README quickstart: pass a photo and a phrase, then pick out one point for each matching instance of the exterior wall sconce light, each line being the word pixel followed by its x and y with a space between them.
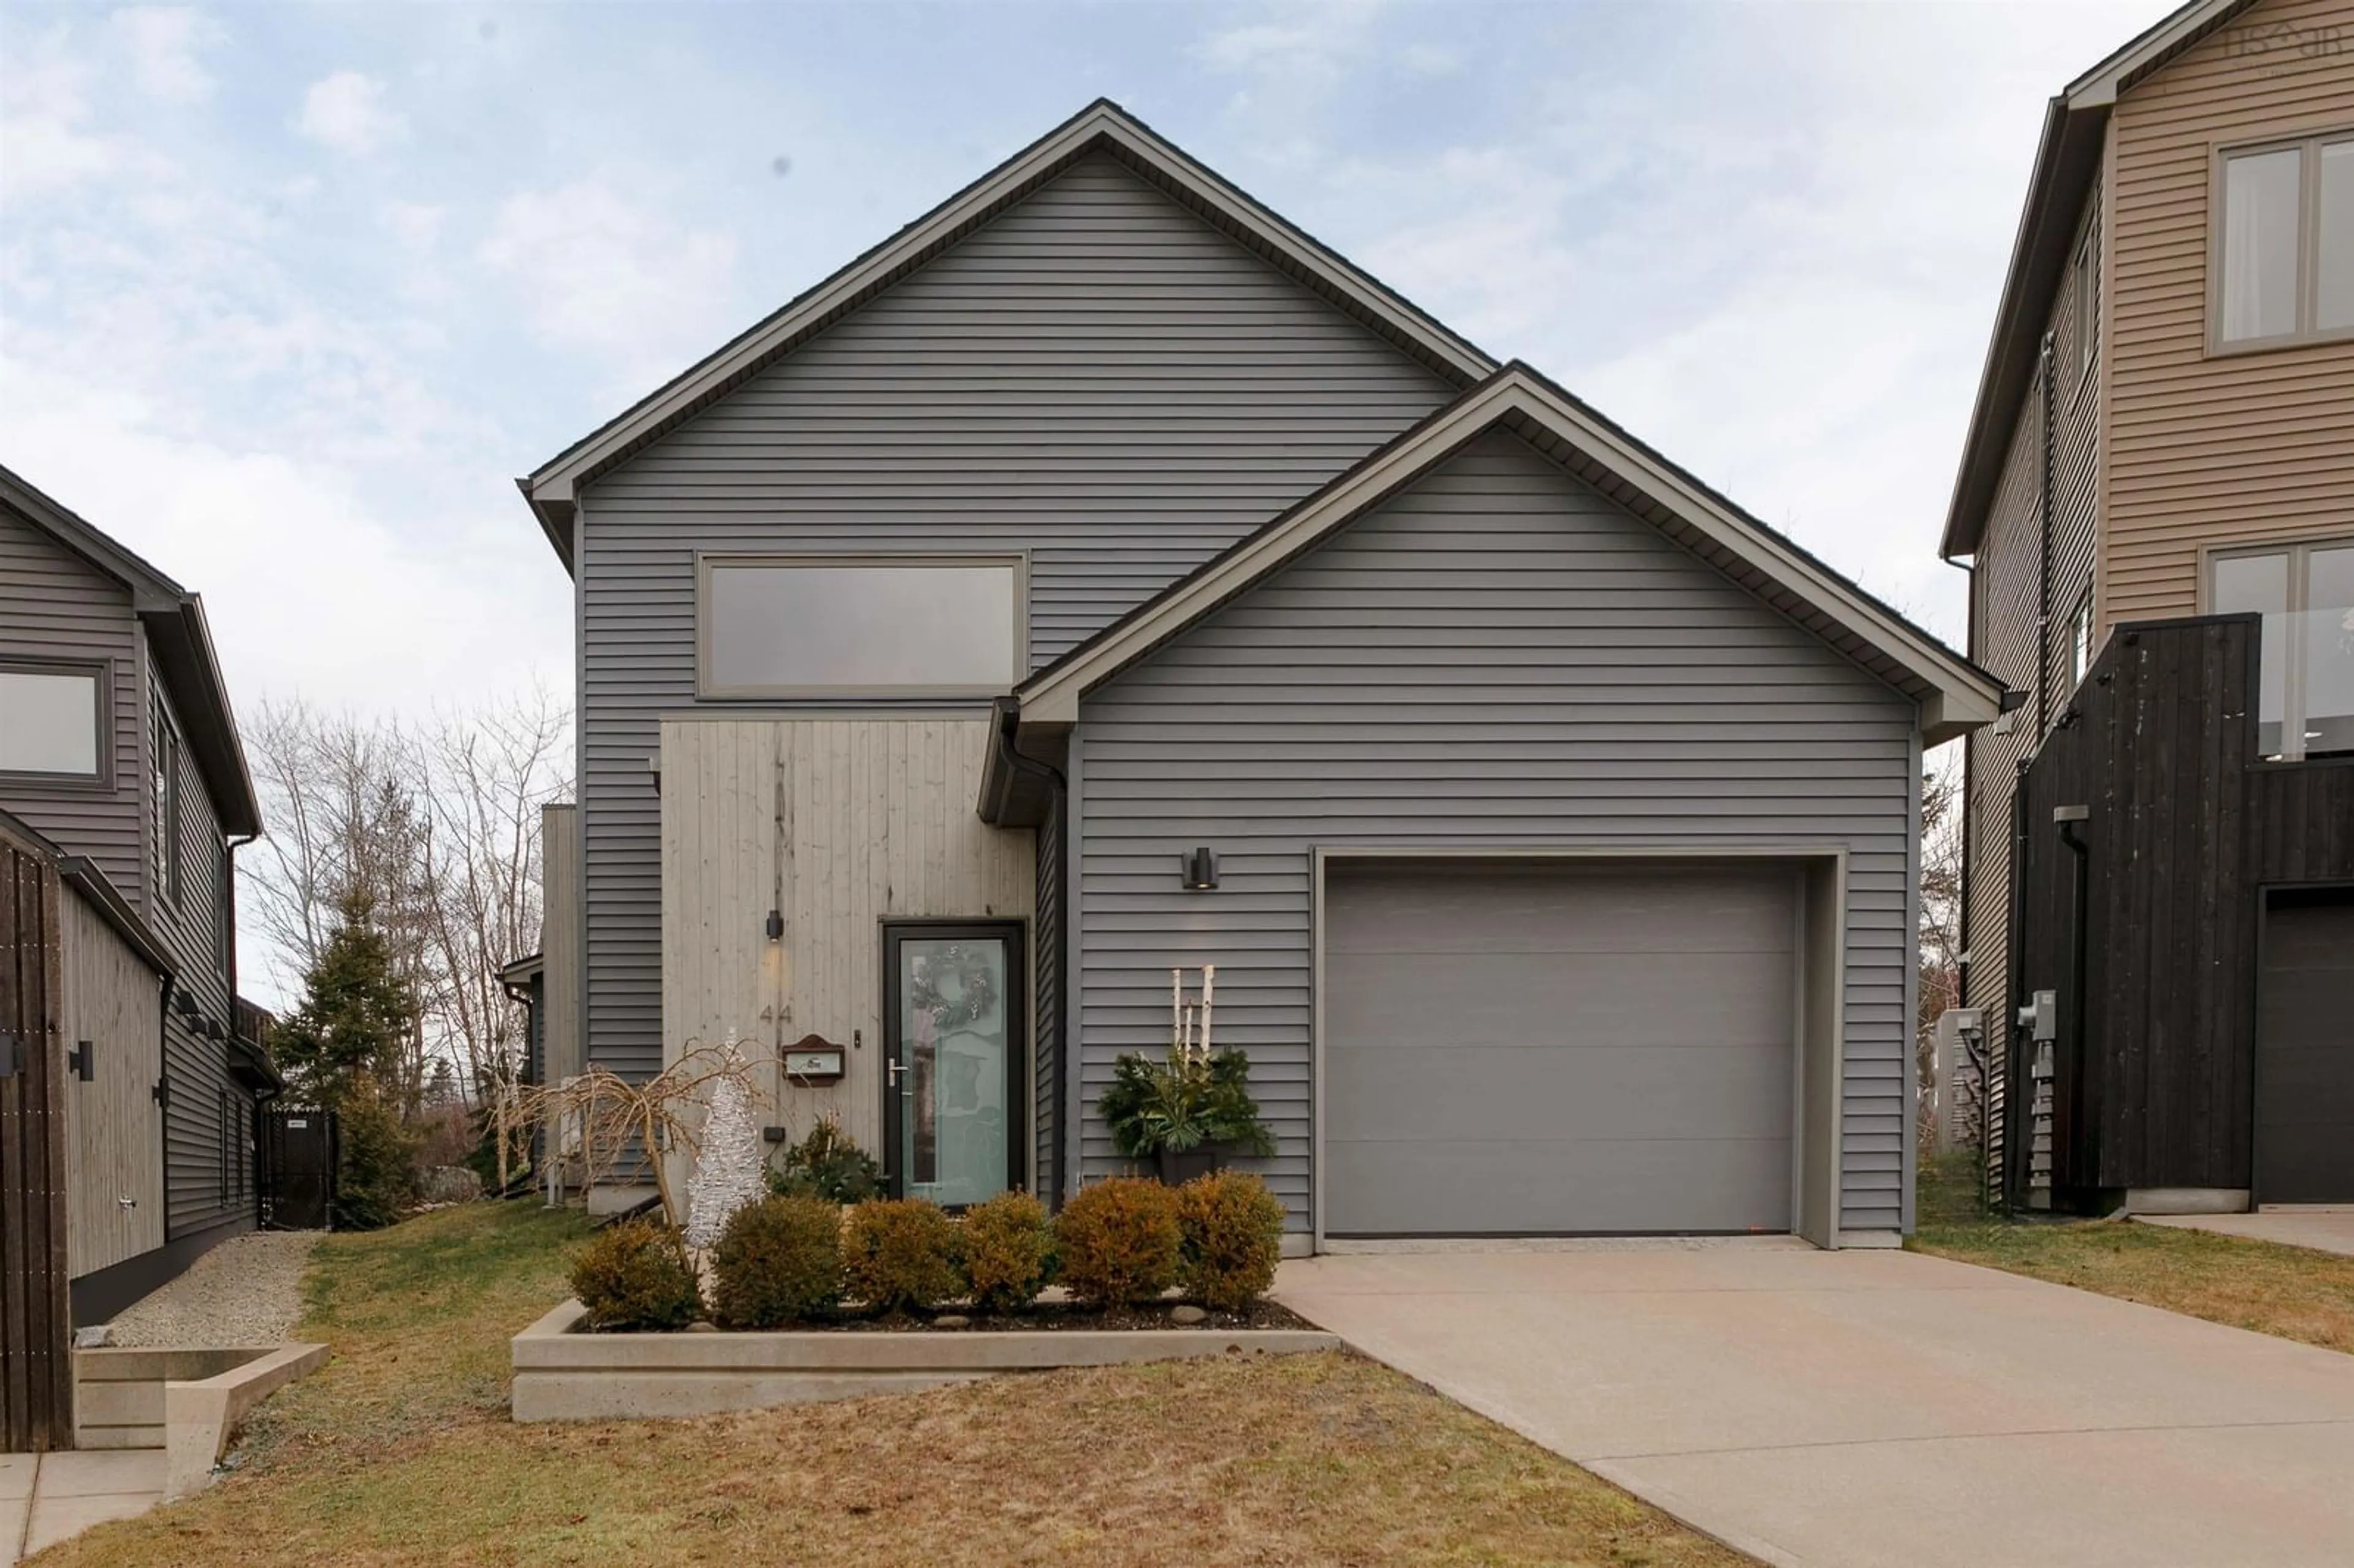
pixel 776 925
pixel 1200 870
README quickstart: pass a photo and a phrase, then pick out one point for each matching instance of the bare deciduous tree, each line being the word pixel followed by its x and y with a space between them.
pixel 438 825
pixel 1941 914
pixel 481 778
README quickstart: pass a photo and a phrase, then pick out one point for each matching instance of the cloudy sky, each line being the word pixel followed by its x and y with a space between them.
pixel 290 294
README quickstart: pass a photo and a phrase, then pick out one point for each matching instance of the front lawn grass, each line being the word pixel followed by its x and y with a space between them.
pixel 400 1452
pixel 2295 1292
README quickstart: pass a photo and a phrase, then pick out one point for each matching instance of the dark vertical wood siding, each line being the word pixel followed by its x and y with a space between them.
pixel 1097 376
pixel 2187 830
pixel 1497 656
pixel 36 1336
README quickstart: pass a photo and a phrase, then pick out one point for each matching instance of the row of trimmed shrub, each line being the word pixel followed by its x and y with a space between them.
pixel 1122 1241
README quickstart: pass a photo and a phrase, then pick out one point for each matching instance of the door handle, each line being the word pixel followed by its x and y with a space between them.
pixel 895 1069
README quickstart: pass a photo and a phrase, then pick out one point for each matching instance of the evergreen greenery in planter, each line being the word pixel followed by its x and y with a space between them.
pixel 1195 1103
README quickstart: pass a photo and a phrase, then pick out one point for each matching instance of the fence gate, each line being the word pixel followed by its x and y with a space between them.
pixel 299 1151
pixel 36 1328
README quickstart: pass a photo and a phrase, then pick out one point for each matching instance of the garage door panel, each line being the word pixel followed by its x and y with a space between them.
pixel 1476 1187
pixel 2304 1052
pixel 1443 909
pixel 1601 1091
pixel 1443 999
pixel 1563 1047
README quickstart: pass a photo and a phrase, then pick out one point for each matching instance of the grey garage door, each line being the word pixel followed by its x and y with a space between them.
pixel 1557 1048
pixel 2304 1051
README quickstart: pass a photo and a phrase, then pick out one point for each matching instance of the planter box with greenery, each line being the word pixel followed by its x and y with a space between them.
pixel 811 1301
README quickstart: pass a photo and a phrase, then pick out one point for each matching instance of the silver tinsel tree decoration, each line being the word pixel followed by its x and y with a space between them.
pixel 731 1167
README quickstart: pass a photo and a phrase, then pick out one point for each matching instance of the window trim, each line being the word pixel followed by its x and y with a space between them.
pixel 101 674
pixel 2308 144
pixel 2296 547
pixel 706 688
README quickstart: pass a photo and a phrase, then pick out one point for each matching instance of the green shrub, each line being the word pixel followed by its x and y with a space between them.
pixel 375 1162
pixel 1234 1236
pixel 1119 1242
pixel 899 1253
pixel 827 1164
pixel 636 1276
pixel 1008 1252
pixel 778 1260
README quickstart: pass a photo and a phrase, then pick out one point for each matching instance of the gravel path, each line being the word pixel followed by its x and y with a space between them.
pixel 246 1291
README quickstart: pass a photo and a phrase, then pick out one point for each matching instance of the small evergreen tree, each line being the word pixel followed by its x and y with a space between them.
pixel 339 1046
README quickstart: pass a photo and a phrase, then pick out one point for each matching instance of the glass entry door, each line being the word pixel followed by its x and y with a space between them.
pixel 953 1062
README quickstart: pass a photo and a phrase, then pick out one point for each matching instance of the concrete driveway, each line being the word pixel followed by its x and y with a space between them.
pixel 1876 1408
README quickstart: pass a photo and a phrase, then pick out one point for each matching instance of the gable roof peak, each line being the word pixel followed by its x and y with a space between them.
pixel 1954 694
pixel 553 488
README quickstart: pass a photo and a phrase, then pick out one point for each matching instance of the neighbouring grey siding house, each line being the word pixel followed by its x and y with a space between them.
pixel 1565 816
pixel 145 802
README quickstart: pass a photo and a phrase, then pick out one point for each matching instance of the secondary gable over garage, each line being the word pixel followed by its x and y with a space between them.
pixel 1486 728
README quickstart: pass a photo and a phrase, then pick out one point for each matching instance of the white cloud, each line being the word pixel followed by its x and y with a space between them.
pixel 164 43
pixel 45 122
pixel 598 269
pixel 347 113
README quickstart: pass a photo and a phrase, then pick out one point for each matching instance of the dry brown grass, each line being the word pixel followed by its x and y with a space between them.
pixel 1306 1459
pixel 2292 1291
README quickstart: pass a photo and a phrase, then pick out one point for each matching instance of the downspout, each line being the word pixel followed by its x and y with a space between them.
pixel 1009 719
pixel 1969 766
pixel 2043 575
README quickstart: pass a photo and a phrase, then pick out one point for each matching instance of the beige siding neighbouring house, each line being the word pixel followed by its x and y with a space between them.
pixel 2008 598
pixel 839 825
pixel 2213 449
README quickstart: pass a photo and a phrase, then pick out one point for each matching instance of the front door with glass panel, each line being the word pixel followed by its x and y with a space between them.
pixel 954 1055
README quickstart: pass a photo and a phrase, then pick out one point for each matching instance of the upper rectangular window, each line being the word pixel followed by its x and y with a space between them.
pixel 165 791
pixel 787 625
pixel 50 722
pixel 2284 243
pixel 2304 679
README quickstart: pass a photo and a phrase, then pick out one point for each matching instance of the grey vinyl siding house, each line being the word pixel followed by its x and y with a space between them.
pixel 157 822
pixel 1301 577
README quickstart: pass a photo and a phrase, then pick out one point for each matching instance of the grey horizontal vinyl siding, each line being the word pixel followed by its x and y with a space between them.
pixel 56 605
pixel 196 1196
pixel 1498 656
pixel 1096 377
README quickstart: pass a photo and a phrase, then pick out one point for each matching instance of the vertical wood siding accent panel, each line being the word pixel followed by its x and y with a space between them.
pixel 114 1130
pixel 1497 657
pixel 839 824
pixel 2235 448
pixel 56 605
pixel 1097 376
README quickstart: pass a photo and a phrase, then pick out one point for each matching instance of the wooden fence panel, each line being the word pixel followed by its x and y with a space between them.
pixel 36 1332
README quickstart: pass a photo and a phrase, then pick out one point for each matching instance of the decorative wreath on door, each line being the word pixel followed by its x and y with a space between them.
pixel 956 986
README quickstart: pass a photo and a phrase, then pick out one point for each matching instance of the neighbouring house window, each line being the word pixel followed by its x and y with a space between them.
pixel 2080 640
pixel 2305 699
pixel 49 720
pixel 166 791
pixel 802 626
pixel 2285 252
